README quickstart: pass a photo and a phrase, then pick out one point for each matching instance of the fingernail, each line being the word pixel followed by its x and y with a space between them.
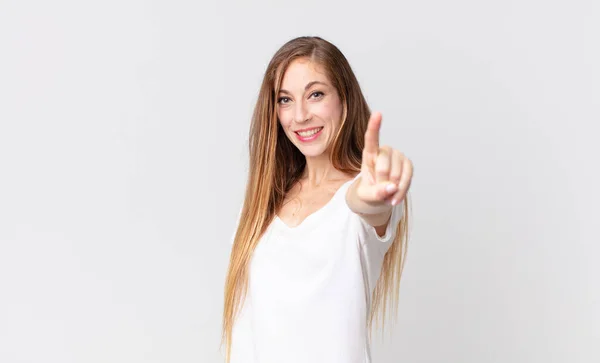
pixel 395 201
pixel 390 188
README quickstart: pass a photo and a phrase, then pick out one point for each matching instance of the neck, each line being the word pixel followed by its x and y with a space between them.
pixel 319 169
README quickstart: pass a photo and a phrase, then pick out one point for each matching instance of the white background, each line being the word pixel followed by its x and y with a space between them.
pixel 123 160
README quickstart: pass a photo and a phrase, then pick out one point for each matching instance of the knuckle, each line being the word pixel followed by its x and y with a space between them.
pixel 395 176
pixel 382 168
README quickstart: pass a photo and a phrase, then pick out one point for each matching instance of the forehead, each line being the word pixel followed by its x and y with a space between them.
pixel 302 71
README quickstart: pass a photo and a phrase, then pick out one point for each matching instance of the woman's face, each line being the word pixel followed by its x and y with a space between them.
pixel 309 107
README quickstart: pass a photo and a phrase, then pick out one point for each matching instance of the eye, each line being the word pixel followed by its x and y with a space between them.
pixel 283 100
pixel 316 94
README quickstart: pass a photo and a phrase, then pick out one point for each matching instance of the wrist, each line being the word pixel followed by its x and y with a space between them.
pixel 372 212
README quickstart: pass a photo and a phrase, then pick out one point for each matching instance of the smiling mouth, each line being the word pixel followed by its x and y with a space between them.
pixel 309 133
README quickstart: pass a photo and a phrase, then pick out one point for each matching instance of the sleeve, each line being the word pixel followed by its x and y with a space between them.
pixel 373 247
pixel 369 237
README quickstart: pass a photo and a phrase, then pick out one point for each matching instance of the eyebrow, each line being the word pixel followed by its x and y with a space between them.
pixel 309 85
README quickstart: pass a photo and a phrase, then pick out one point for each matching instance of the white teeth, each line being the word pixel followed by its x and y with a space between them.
pixel 309 133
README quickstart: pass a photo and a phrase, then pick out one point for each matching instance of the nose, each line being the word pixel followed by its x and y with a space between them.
pixel 301 113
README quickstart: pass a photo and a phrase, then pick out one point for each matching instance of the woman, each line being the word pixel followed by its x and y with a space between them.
pixel 321 237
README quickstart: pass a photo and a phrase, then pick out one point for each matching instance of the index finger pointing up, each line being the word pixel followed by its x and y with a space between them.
pixel 372 133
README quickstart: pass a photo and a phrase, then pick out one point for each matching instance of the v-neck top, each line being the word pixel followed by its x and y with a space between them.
pixel 312 219
pixel 310 287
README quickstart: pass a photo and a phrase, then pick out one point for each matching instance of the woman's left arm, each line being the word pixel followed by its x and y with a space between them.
pixel 385 178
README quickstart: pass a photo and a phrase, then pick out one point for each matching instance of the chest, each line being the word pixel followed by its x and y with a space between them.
pixel 294 262
pixel 302 202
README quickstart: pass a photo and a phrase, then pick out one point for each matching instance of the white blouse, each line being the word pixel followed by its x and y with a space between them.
pixel 310 287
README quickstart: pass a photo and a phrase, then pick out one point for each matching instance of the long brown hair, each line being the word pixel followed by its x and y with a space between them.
pixel 276 165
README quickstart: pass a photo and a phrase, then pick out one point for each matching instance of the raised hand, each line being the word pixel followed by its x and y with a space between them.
pixel 386 173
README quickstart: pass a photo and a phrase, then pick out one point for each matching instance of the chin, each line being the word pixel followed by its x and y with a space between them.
pixel 312 151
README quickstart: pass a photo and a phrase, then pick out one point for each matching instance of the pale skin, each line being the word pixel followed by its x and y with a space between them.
pixel 308 100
